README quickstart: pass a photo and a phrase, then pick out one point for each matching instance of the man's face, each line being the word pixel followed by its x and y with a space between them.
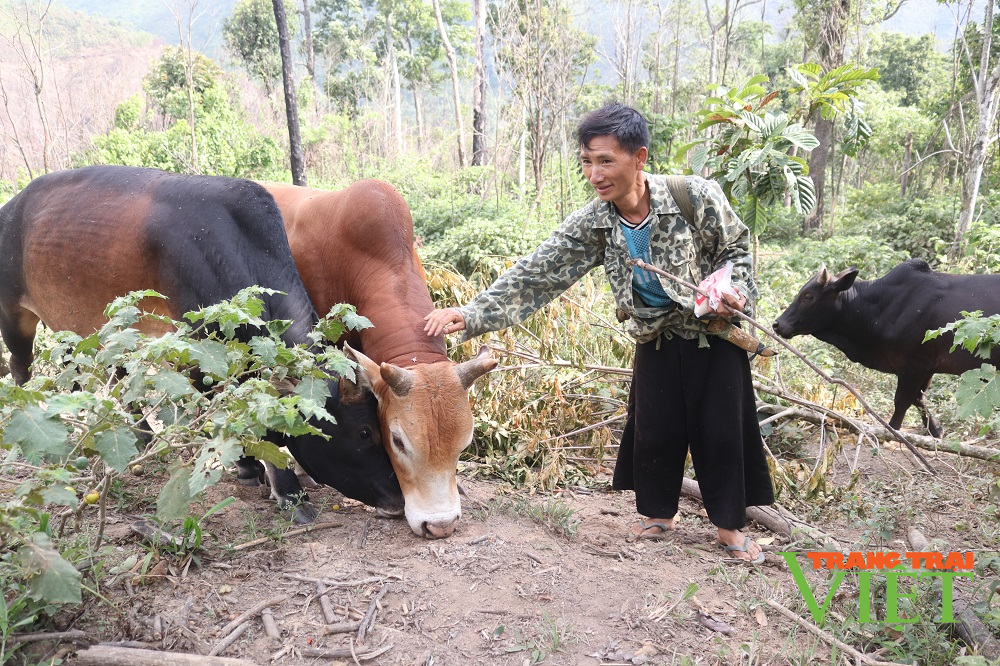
pixel 611 169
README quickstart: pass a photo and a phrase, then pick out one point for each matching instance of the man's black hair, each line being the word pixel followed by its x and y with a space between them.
pixel 615 119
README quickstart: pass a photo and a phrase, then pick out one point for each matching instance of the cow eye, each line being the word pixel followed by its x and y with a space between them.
pixel 365 432
pixel 808 298
pixel 397 441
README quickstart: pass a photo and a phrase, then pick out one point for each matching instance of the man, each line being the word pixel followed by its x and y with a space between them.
pixel 690 389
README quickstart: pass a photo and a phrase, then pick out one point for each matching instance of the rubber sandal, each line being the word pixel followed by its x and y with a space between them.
pixel 743 549
pixel 663 528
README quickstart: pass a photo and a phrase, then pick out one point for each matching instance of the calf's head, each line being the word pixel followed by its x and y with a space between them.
pixel 426 423
pixel 352 459
pixel 816 304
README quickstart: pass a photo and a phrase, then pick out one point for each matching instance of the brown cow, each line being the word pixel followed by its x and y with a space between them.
pixel 356 246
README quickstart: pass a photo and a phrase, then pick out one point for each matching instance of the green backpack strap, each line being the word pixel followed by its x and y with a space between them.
pixel 677 186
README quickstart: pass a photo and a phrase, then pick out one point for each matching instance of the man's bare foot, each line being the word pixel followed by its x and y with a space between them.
pixel 740 546
pixel 652 528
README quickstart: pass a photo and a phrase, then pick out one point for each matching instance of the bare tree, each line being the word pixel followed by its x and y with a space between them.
pixel 449 52
pixel 479 85
pixel 27 42
pixel 986 86
pixel 628 40
pixel 308 40
pixel 185 15
pixel 291 104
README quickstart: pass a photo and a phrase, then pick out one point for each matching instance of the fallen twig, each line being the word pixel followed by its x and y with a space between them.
pixel 100 655
pixel 324 603
pixel 369 621
pixel 815 368
pixel 270 626
pixel 295 532
pixel 72 634
pixel 231 638
pixel 336 583
pixel 274 601
pixel 341 653
pixel 342 628
pixel 832 640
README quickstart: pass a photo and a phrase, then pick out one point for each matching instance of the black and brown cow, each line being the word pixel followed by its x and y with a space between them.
pixel 73 241
pixel 356 246
pixel 881 324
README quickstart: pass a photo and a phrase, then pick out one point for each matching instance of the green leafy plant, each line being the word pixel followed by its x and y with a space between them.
pixel 93 400
pixel 978 392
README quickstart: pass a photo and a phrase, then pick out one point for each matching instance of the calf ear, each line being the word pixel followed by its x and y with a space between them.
pixel 844 280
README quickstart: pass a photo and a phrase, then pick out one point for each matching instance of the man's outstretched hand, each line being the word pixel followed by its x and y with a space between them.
pixel 444 320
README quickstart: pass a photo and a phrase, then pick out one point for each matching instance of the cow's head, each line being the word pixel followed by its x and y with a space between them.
pixel 426 423
pixel 352 459
pixel 816 304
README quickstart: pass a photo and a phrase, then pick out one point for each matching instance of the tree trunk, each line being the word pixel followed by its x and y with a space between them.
pixel 418 111
pixel 291 103
pixel 397 93
pixel 907 155
pixel 449 52
pixel 833 31
pixel 479 86
pixel 987 87
pixel 677 59
pixel 307 28
pixel 817 171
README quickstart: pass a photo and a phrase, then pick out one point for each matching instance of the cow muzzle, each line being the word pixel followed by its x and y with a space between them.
pixel 439 529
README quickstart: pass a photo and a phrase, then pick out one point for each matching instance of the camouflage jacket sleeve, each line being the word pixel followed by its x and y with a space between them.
pixel 727 238
pixel 563 258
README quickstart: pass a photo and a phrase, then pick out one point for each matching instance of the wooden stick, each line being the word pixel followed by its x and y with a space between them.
pixel 221 646
pixel 369 621
pixel 341 653
pixel 270 626
pixel 336 583
pixel 342 628
pixel 967 624
pixel 815 368
pixel 100 655
pixel 250 613
pixel 72 634
pixel 324 603
pixel 295 532
pixel 832 640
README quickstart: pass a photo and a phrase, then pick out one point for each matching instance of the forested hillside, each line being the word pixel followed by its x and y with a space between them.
pixel 844 133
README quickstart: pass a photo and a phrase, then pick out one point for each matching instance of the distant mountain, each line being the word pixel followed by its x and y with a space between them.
pixel 159 18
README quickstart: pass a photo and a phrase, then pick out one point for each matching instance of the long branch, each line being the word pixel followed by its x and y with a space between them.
pixel 815 368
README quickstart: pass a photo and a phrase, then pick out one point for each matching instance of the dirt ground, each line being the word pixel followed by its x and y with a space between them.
pixel 505 589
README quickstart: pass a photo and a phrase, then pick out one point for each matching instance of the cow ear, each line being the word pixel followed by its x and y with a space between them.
pixel 844 280
pixel 473 369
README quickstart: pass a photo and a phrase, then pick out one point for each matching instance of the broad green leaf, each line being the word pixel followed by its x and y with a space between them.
pixel 116 446
pixel 314 389
pixel 174 500
pixel 211 356
pixel 265 348
pixel 215 456
pixel 39 436
pixel 173 383
pixel 53 579
pixel 267 452
pixel 978 392
pixel 59 493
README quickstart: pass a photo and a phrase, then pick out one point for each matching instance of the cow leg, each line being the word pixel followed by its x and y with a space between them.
pixel 249 471
pixel 925 415
pixel 286 490
pixel 18 330
pixel 910 391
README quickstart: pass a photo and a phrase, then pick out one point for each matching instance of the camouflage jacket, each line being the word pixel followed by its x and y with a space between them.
pixel 592 236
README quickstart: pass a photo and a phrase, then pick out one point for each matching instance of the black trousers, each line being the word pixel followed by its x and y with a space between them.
pixel 685 397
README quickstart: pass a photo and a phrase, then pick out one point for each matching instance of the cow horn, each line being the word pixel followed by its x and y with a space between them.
pixel 823 277
pixel 365 370
pixel 473 369
pixel 400 380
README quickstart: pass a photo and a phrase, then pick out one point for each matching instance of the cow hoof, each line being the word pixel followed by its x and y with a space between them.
pixel 304 513
pixel 252 482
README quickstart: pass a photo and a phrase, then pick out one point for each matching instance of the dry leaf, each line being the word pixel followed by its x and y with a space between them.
pixel 760 616
pixel 715 624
